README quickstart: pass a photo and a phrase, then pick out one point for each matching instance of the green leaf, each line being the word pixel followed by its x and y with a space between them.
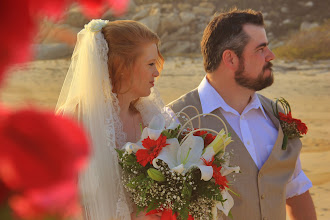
pixel 154 205
pixel 166 133
pixel 139 209
pixel 186 190
pixel 120 153
pixel 171 133
pixel 130 160
pixel 184 212
pixel 230 215
pixel 137 181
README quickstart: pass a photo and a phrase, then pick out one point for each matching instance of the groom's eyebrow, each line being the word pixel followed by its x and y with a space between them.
pixel 263 45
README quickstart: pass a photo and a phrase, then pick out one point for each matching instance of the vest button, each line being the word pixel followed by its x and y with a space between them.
pixel 260 175
pixel 262 196
pixel 265 218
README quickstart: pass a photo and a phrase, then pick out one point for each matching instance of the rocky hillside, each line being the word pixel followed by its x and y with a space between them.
pixel 180 23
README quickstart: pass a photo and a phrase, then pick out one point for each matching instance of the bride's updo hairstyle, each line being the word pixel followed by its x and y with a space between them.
pixel 125 39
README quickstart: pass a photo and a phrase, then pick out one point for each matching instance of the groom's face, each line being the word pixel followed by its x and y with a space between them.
pixel 255 69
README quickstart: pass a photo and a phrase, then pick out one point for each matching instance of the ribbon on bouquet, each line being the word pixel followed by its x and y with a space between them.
pixel 167 214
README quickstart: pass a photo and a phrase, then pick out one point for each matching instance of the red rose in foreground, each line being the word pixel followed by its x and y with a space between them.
pixel 151 151
pixel 41 155
pixel 59 201
pixel 4 192
pixel 39 148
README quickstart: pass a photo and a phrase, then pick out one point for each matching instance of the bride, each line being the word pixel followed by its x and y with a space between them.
pixel 109 89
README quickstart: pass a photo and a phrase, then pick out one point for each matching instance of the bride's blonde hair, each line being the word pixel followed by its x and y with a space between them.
pixel 125 39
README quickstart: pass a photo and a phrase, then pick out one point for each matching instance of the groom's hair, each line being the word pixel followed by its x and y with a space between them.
pixel 225 31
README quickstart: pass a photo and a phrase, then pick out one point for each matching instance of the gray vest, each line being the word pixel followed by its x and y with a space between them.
pixel 262 193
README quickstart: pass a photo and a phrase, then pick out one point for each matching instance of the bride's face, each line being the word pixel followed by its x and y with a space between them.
pixel 144 71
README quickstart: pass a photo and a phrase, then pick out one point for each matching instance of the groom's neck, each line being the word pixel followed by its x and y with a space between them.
pixel 233 94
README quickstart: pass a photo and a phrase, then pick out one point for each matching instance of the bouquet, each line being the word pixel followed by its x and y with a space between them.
pixel 180 172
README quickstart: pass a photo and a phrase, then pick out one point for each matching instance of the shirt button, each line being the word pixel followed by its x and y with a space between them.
pixel 248 142
pixel 262 196
pixel 242 117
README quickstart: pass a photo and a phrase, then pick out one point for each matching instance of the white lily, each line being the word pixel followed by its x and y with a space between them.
pixel 182 158
pixel 226 205
pixel 153 131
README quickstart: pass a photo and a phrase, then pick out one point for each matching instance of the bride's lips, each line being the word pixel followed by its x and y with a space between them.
pixel 152 83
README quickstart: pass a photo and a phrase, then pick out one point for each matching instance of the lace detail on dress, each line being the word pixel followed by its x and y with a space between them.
pixel 116 137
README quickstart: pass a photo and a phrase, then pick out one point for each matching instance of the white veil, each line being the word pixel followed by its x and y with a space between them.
pixel 87 95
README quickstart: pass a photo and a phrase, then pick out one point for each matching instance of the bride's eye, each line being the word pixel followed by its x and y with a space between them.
pixel 151 64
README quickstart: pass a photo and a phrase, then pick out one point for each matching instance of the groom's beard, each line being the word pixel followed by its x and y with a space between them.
pixel 255 84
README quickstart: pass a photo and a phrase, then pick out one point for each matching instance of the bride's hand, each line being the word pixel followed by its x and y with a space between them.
pixel 142 216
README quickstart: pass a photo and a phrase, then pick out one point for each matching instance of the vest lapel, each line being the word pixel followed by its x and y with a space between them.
pixel 269 111
pixel 278 143
pixel 236 145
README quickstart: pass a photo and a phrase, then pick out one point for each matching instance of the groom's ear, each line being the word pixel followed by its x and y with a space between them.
pixel 230 59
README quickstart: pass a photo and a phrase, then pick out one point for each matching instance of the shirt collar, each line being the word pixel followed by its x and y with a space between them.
pixel 211 100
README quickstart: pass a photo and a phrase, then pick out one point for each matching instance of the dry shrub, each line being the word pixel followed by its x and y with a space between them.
pixel 312 44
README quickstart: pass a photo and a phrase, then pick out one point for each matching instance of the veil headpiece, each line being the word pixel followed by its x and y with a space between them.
pixel 87 95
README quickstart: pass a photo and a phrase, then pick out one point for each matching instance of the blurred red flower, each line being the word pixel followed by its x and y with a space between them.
pixel 4 192
pixel 18 20
pixel 41 155
pixel 59 201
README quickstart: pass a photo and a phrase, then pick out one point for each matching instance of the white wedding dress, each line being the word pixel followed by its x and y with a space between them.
pixel 87 96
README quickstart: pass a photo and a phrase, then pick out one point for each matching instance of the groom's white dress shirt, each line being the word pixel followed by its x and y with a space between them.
pixel 256 131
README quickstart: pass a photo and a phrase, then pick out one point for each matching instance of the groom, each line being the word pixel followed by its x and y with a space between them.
pixel 237 64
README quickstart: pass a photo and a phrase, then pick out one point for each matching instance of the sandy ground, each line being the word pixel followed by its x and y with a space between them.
pixel 305 85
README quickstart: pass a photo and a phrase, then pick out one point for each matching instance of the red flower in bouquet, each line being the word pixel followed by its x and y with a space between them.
pixel 167 214
pixel 41 155
pixel 151 151
pixel 207 139
pixel 219 179
pixel 40 148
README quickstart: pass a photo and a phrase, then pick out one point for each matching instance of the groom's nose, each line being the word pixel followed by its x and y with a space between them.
pixel 270 56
